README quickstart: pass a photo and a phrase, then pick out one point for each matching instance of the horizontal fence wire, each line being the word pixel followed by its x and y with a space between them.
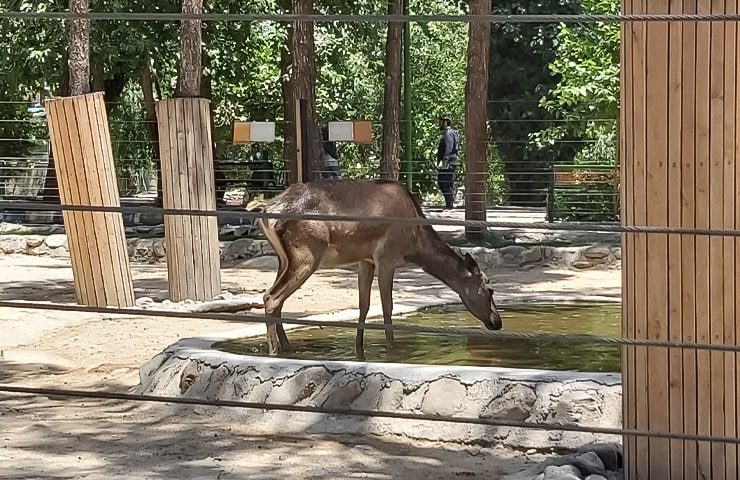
pixel 449 331
pixel 491 422
pixel 371 18
pixel 564 226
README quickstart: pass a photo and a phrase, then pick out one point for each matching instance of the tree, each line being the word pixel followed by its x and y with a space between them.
pixel 191 70
pixel 390 155
pixel 299 83
pixel 476 131
pixel 79 49
pixel 520 56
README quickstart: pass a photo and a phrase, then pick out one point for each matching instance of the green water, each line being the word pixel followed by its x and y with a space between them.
pixel 594 319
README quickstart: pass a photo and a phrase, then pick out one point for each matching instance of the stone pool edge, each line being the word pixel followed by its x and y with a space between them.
pixel 191 368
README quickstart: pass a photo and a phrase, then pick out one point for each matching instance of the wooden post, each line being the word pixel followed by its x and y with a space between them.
pixel 193 259
pixel 80 139
pixel 679 141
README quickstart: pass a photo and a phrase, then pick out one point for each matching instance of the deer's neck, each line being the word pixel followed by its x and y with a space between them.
pixel 441 262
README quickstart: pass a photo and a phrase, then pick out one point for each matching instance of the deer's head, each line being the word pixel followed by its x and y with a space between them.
pixel 478 296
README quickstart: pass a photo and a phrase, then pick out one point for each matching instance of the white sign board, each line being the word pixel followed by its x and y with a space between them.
pixel 341 131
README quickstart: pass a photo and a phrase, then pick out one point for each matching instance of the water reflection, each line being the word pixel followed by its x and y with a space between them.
pixel 594 319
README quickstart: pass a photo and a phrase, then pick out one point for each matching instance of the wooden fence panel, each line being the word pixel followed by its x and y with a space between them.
pixel 679 149
pixel 193 257
pixel 80 139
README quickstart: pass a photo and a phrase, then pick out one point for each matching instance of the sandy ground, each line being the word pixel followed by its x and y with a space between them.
pixel 43 437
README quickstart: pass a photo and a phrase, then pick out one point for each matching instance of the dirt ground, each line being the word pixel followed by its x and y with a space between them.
pixel 42 437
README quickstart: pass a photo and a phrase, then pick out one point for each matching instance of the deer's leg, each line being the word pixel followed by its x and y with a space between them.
pixel 301 264
pixel 385 285
pixel 364 284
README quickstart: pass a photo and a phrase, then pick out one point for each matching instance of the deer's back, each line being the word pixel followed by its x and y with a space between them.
pixel 349 242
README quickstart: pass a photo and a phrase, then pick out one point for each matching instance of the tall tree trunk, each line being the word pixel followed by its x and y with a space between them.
pixel 147 87
pixel 189 78
pixel 79 49
pixel 289 125
pixel 476 132
pixel 300 83
pixel 390 157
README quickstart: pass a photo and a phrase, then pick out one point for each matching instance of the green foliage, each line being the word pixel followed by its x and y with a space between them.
pixel 585 103
pixel 520 56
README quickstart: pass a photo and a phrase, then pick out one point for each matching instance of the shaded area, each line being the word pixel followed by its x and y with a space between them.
pixel 338 344
pixel 56 439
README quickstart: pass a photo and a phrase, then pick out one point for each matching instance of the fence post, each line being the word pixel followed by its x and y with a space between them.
pixel 83 160
pixel 193 256
pixel 679 97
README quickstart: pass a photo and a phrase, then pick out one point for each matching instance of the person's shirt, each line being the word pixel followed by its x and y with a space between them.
pixel 448 143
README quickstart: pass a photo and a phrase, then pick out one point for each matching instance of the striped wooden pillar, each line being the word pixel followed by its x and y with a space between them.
pixel 193 257
pixel 679 144
pixel 80 141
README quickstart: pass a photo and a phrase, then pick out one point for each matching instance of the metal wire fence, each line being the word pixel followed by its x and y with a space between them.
pixel 29 182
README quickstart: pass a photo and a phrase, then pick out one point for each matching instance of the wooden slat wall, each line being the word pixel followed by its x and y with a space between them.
pixel 679 145
pixel 193 259
pixel 80 140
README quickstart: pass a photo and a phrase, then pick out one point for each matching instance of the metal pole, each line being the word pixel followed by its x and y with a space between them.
pixel 409 149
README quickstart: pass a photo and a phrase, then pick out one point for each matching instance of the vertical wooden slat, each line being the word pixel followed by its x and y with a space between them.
pixel 716 254
pixel 730 91
pixel 84 164
pixel 627 212
pixel 675 330
pixel 703 160
pixel 688 244
pixel 193 256
pixel 657 214
pixel 642 445
pixel 736 240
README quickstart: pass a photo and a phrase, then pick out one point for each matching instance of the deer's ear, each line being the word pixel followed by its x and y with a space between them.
pixel 471 264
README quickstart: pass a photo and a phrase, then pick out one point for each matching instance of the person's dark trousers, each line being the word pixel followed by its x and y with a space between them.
pixel 446 182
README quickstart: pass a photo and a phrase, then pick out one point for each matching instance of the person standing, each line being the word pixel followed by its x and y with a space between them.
pixel 447 160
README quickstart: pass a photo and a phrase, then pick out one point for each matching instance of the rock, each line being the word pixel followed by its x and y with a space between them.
pixel 595 477
pixel 609 453
pixel 533 255
pixel 566 472
pixel 516 404
pixel 13 245
pixel 615 475
pixel 617 252
pixel 239 248
pixel 512 252
pixel 56 241
pixel 34 241
pixel 159 249
pixel 590 464
pixel 444 397
pixel 265 262
pixel 597 252
pixel 582 264
pixel 157 231
pixel 144 301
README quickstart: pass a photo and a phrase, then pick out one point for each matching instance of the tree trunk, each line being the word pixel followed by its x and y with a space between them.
pixel 390 157
pixel 476 132
pixel 79 49
pixel 189 79
pixel 289 125
pixel 147 87
pixel 298 70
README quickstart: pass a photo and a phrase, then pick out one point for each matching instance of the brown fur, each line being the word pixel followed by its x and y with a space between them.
pixel 303 246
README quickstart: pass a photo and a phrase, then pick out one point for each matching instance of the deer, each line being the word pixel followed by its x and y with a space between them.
pixel 304 246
